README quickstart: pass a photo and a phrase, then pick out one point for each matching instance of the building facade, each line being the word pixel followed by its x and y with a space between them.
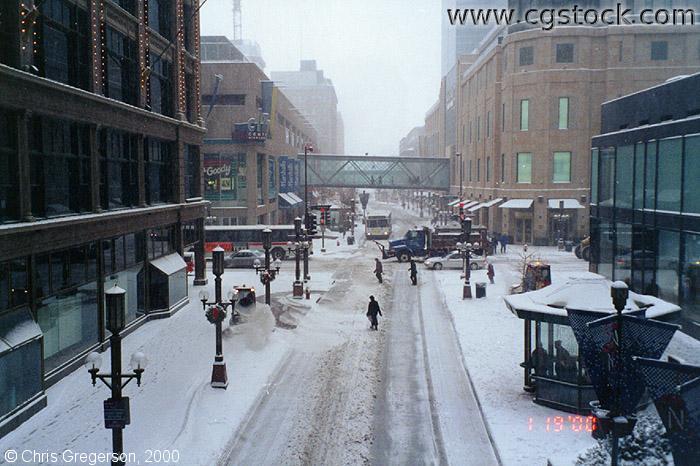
pixel 409 146
pixel 254 135
pixel 529 107
pixel 100 133
pixel 645 204
pixel 314 95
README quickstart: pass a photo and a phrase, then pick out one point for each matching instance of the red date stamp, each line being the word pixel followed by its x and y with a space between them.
pixel 562 423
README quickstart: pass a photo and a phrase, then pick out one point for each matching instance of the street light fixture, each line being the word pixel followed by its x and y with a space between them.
pixel 267 273
pixel 299 247
pixel 215 312
pixel 466 249
pixel 116 408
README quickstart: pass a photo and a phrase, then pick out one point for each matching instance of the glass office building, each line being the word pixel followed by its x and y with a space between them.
pixel 645 201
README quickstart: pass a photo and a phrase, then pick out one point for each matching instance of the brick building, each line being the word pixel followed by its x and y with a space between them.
pixel 529 105
pixel 100 133
pixel 243 175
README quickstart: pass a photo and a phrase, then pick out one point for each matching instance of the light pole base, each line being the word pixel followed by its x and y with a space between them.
pixel 467 291
pixel 298 290
pixel 200 281
pixel 219 378
pixel 323 249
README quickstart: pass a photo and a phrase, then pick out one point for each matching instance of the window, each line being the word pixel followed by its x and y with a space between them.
pixel 8 35
pixel 271 180
pixel 565 53
pixel 62 46
pixel 561 167
pixel 470 170
pixel 121 73
pixel 478 128
pixel 160 98
pixel 192 172
pixel 503 168
pixel 527 56
pixel 691 276
pixel 9 186
pixel 14 284
pixel 669 175
pixel 119 179
pixel 478 169
pixel 691 173
pixel 650 177
pixel 159 16
pixel 606 177
pixel 488 124
pixel 488 168
pixel 158 156
pixel 128 5
pixel 524 161
pixel 260 177
pixel 594 176
pixel 668 252
pixel 659 50
pixel 60 167
pixel 503 117
pixel 524 115
pixel 624 174
pixel 224 99
pixel 639 177
pixel 563 113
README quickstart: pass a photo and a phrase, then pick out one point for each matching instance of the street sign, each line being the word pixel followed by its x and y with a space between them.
pixel 117 415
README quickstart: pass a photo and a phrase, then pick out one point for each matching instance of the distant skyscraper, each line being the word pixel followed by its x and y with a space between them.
pixel 459 39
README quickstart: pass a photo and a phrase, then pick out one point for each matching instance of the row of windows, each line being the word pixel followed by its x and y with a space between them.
pixel 565 53
pixel 60 168
pixel 561 168
pixel 653 175
pixel 562 119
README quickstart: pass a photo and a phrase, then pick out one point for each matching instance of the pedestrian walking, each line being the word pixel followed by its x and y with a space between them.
pixel 490 272
pixel 378 269
pixel 504 243
pixel 414 273
pixel 494 243
pixel 372 312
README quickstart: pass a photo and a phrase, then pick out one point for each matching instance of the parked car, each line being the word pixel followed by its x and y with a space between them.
pixel 453 260
pixel 243 259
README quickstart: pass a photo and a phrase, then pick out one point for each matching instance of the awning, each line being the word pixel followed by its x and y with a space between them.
pixel 296 198
pixel 517 204
pixel 568 204
pixel 169 264
pixel 454 203
pixel 287 200
pixel 485 204
pixel 17 328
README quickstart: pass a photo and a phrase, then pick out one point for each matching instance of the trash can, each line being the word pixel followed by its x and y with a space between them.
pixel 480 290
pixel 569 246
pixel 351 240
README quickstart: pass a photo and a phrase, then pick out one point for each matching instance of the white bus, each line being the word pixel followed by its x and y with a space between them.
pixel 233 238
pixel 378 225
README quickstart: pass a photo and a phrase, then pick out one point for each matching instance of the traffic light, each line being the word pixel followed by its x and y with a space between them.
pixel 325 216
pixel 311 226
pixel 467 227
pixel 364 199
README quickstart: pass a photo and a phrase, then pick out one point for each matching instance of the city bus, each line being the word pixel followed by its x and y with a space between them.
pixel 378 225
pixel 235 237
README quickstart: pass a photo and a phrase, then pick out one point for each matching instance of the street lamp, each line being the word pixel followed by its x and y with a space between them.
pixel 116 408
pixel 215 312
pixel 619 292
pixel 267 274
pixel 466 248
pixel 299 247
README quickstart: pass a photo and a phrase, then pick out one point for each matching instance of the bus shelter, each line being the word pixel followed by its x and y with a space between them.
pixel 553 371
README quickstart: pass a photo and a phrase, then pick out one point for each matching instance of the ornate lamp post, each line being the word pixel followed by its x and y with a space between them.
pixel 267 274
pixel 299 247
pixel 465 249
pixel 116 408
pixel 216 313
pixel 619 294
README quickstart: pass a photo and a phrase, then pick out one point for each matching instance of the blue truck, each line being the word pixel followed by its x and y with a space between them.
pixel 421 243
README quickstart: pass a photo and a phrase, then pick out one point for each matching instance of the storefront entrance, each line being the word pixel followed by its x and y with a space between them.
pixel 523 227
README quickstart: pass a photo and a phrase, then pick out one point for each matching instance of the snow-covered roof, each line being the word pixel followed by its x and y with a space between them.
pixel 568 204
pixel 17 328
pixel 517 204
pixel 589 292
pixel 169 264
pixel 295 197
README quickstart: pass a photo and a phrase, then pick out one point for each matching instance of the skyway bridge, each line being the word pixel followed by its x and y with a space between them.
pixel 364 171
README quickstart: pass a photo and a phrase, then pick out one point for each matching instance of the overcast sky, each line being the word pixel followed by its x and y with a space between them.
pixel 382 55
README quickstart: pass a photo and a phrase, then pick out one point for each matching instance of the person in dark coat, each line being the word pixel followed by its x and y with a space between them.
pixel 372 312
pixel 414 273
pixel 490 272
pixel 504 243
pixel 378 269
pixel 540 360
pixel 494 243
pixel 565 364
